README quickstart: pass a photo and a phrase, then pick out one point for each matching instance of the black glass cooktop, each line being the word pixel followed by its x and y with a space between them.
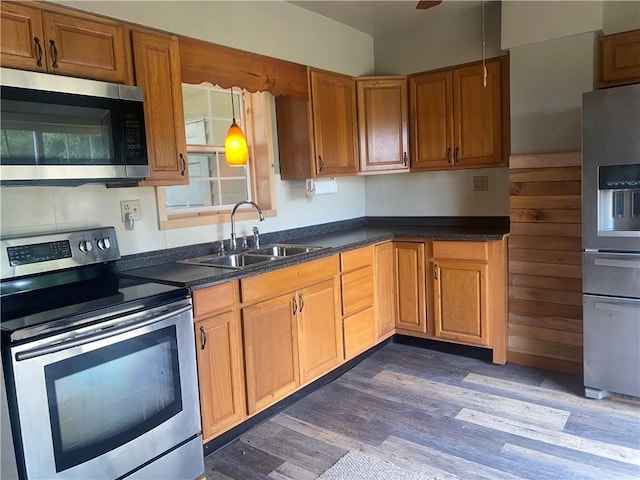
pixel 33 306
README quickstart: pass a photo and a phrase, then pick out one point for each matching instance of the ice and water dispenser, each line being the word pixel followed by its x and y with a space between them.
pixel 619 198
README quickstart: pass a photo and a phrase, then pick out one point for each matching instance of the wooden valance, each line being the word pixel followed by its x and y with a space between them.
pixel 227 67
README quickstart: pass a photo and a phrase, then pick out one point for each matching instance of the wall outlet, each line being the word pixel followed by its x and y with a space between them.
pixel 132 207
pixel 481 183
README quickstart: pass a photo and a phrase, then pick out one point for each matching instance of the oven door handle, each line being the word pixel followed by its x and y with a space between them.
pixel 102 333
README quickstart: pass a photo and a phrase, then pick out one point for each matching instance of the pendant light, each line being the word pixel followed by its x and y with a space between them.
pixel 235 145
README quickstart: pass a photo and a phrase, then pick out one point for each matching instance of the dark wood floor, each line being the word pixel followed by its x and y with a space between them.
pixel 444 416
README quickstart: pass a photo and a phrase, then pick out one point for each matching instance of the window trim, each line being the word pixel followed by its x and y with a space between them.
pixel 258 110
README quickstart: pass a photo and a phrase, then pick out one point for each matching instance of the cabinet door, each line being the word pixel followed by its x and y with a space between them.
pixel 22 38
pixel 157 66
pixel 333 106
pixel 82 47
pixel 460 297
pixel 478 135
pixel 319 336
pixel 270 351
pixel 220 373
pixel 410 286
pixel 385 288
pixel 383 118
pixel 431 98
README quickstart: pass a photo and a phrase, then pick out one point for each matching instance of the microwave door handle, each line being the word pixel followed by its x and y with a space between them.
pixel 100 334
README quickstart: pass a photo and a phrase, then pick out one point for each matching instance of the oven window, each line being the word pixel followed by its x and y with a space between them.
pixel 105 398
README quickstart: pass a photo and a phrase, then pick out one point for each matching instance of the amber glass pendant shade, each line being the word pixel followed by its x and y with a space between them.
pixel 235 146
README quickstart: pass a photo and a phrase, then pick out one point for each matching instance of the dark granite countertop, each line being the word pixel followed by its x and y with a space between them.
pixel 162 266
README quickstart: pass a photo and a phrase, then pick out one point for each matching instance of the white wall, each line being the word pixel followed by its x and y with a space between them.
pixel 273 28
pixel 620 16
pixel 439 42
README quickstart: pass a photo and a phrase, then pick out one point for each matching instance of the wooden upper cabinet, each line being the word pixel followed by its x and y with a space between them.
pixel 457 121
pixel 431 120
pixel 383 117
pixel 157 67
pixel 75 45
pixel 22 37
pixel 619 62
pixel 333 107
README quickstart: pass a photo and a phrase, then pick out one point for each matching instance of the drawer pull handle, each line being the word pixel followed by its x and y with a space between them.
pixel 405 159
pixel 457 155
pixel 449 155
pixel 38 51
pixel 295 304
pixel 203 338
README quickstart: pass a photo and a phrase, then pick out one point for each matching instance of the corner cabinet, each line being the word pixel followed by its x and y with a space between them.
pixel 219 357
pixel 157 68
pixel 383 118
pixel 456 121
pixel 317 138
pixel 54 40
pixel 384 273
pixel 410 288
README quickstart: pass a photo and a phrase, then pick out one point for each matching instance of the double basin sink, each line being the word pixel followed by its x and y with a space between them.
pixel 249 258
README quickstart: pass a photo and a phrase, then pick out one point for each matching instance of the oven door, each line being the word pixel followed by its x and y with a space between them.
pixel 107 402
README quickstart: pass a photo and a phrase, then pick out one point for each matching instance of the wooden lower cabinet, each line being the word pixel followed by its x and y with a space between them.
pixel 319 336
pixel 359 332
pixel 270 351
pixel 219 357
pixel 385 289
pixel 410 286
pixel 460 301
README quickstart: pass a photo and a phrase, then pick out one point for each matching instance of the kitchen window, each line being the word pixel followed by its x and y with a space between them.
pixel 214 187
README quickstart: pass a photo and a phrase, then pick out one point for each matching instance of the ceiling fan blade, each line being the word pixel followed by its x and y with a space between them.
pixel 427 4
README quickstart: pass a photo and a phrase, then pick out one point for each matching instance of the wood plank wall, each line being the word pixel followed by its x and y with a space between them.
pixel 545 270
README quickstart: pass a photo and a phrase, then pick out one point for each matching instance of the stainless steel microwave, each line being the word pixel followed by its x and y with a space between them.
pixel 60 130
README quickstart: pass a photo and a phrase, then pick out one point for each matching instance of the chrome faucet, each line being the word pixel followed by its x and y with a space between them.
pixel 256 238
pixel 232 243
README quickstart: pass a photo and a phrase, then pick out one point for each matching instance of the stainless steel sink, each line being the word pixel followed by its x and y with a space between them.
pixel 235 261
pixel 282 250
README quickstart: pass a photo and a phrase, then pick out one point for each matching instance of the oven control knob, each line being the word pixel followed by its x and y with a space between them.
pixel 104 243
pixel 85 246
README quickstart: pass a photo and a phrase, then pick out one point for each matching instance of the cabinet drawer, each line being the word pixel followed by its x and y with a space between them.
pixel 214 299
pixel 460 250
pixel 359 333
pixel 285 280
pixel 357 290
pixel 356 258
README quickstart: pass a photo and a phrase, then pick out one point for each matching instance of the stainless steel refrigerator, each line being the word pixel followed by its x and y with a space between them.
pixel 611 240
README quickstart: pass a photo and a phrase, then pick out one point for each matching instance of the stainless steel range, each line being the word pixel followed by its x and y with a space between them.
pixel 99 371
pixel 611 241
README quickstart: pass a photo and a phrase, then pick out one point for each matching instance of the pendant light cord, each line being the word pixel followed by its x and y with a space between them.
pixel 484 66
pixel 233 112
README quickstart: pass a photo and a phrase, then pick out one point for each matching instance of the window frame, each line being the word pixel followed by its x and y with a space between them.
pixel 260 133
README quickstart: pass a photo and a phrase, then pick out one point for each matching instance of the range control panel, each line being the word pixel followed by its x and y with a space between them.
pixel 37 253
